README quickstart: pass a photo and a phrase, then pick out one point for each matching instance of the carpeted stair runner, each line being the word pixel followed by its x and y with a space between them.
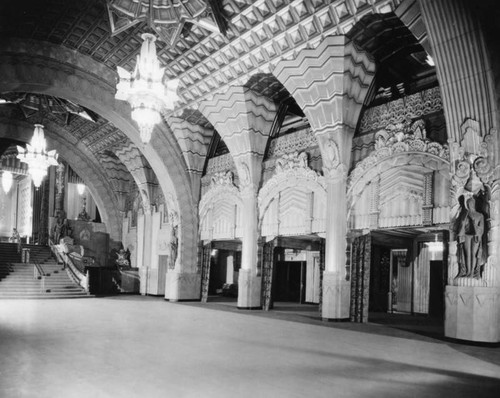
pixel 17 279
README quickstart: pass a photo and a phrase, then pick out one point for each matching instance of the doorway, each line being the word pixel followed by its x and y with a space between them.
pixel 292 274
pixel 407 275
pixel 290 281
pixel 222 264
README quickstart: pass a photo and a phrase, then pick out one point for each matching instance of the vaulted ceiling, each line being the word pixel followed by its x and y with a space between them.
pixel 259 33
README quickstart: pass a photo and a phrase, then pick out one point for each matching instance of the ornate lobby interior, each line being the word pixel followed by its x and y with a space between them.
pixel 249 198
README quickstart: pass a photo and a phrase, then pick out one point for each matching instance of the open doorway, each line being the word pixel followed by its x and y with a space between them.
pixel 225 262
pixel 294 272
pixel 407 276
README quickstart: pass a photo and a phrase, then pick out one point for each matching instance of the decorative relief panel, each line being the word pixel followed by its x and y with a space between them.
pixel 475 220
pixel 397 139
pixel 406 195
pixel 399 111
pixel 220 209
pixel 293 142
pixel 293 201
pixel 219 164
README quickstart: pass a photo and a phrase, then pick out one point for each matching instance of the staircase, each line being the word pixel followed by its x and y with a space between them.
pixel 17 279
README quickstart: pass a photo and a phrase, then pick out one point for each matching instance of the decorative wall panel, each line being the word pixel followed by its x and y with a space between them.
pixel 360 278
pixel 293 201
pixel 220 209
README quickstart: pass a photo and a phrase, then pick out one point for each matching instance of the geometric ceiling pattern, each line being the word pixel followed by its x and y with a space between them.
pixel 258 35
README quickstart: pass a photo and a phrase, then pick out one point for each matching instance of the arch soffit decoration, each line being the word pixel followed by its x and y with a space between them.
pixel 292 172
pixel 221 189
pixel 372 166
pixel 64 73
pixel 92 175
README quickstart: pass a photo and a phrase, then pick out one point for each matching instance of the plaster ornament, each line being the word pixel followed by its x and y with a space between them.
pixel 245 175
pixel 291 161
pixel 222 178
pixel 332 154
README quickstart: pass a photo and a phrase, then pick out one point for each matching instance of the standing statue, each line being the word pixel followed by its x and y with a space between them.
pixel 173 246
pixel 61 227
pixel 469 231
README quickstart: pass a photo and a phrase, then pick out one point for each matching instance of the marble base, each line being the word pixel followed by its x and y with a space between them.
pixel 182 286
pixel 336 297
pixel 143 276
pixel 249 290
pixel 472 313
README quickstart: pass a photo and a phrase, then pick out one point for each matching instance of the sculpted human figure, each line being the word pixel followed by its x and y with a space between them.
pixel 61 228
pixel 469 234
pixel 173 246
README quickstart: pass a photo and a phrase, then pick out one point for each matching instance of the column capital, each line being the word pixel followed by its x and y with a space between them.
pixel 336 174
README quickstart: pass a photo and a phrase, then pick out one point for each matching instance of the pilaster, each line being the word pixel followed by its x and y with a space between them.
pixel 249 289
pixel 182 285
pixel 330 83
pixel 243 118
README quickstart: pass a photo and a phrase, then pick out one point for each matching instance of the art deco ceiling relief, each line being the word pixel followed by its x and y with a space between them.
pixel 209 45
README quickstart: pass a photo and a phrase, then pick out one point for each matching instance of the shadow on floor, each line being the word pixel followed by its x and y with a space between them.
pixel 414 327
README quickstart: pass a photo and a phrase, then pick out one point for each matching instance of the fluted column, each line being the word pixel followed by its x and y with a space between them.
pixel 330 83
pixel 472 302
pixel 243 119
pixel 336 289
pixel 60 186
pixel 249 283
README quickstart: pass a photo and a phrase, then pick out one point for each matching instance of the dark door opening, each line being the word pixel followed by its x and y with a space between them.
pixel 289 281
pixel 436 290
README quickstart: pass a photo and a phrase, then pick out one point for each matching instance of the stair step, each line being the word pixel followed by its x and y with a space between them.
pixel 17 279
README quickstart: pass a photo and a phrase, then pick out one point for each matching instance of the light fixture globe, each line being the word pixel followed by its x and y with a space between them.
pixel 144 89
pixel 7 181
pixel 36 156
pixel 80 188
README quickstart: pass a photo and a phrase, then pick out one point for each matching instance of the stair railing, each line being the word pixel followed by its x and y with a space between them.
pixel 38 273
pixel 74 273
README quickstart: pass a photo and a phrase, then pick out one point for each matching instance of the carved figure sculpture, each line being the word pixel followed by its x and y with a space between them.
pixel 122 260
pixel 61 227
pixel 173 246
pixel 469 230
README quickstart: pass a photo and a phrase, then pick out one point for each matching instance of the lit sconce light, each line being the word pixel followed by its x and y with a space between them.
pixel 7 181
pixel 430 60
pixel 435 246
pixel 214 252
pixel 80 188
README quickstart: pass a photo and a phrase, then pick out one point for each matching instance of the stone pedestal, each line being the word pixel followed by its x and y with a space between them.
pixel 336 297
pixel 249 290
pixel 182 286
pixel 472 313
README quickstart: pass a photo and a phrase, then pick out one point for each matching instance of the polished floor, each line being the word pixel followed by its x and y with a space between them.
pixel 145 347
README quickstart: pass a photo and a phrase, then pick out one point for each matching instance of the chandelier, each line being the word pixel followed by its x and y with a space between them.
pixel 37 157
pixel 144 90
pixel 7 181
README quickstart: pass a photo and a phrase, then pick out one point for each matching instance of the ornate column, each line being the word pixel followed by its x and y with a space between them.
pixel 243 119
pixel 193 140
pixel 472 297
pixel 336 288
pixel 330 83
pixel 249 282
pixel 60 186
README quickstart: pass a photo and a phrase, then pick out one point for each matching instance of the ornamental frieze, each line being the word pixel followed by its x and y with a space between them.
pixel 289 166
pixel 292 142
pixel 407 108
pixel 398 139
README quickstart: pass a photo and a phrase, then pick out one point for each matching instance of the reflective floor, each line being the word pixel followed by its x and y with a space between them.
pixel 134 346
